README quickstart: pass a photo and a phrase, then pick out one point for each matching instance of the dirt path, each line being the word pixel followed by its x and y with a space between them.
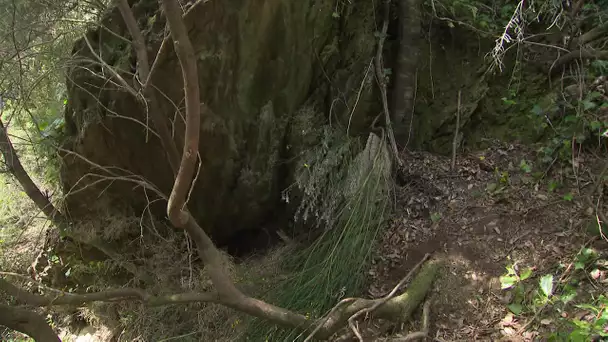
pixel 490 211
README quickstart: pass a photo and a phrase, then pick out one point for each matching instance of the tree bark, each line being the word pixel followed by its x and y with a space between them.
pixel 590 36
pixel 405 69
pixel 398 308
pixel 143 69
pixel 578 54
pixel 27 322
pixel 176 208
pixel 16 169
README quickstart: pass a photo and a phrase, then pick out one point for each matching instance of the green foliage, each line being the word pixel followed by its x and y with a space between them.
pixel 31 68
pixel 524 165
pixel 585 330
pixel 435 217
pixel 549 298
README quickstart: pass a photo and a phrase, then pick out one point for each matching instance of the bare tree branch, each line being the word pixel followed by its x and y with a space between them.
pixel 577 54
pixel 591 35
pixel 27 322
pixel 15 167
pixel 396 308
pixel 176 209
pixel 143 69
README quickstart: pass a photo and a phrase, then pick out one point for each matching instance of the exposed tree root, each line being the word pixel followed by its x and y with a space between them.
pixel 397 308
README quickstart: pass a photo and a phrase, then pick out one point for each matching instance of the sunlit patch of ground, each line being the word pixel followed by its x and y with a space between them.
pixel 491 211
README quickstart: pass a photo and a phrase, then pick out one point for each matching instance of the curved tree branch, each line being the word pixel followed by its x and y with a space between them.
pixel 15 167
pixel 577 54
pixel 143 69
pixel 396 308
pixel 176 208
pixel 180 217
pixel 590 36
pixel 27 322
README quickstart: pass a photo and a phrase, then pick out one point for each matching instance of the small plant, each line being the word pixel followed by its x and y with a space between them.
pixel 549 298
pixel 597 326
pixel 435 217
pixel 525 166
pixel 553 185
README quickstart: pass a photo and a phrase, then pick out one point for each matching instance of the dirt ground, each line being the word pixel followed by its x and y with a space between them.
pixel 486 213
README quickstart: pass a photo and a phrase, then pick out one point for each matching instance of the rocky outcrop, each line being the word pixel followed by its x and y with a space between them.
pixel 273 72
pixel 257 62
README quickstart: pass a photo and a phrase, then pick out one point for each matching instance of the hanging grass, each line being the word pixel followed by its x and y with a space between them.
pixel 351 198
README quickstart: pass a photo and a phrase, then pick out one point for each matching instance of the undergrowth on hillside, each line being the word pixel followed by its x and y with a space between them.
pixel 562 297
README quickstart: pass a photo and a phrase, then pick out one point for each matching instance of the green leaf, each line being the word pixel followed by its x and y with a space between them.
pixel 568 294
pixel 537 109
pixel 516 308
pixel 435 217
pixel 525 166
pixel 553 185
pixel 579 265
pixel 589 307
pixel 587 105
pixel 595 125
pixel 568 197
pixel 546 284
pixel 525 274
pixel 507 282
pixel 594 95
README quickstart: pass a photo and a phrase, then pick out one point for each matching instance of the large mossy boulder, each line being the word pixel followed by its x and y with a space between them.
pixel 258 62
pixel 275 75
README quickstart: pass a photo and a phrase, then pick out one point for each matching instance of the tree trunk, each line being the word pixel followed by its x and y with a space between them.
pixel 27 322
pixel 16 169
pixel 405 69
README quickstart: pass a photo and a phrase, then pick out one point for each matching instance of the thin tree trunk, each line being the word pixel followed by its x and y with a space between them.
pixel 405 69
pixel 16 169
pixel 27 322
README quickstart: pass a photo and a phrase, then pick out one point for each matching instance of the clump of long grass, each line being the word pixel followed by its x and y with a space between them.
pixel 352 199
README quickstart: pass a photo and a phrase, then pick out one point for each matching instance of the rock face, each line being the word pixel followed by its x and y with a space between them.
pixel 273 73
pixel 256 65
